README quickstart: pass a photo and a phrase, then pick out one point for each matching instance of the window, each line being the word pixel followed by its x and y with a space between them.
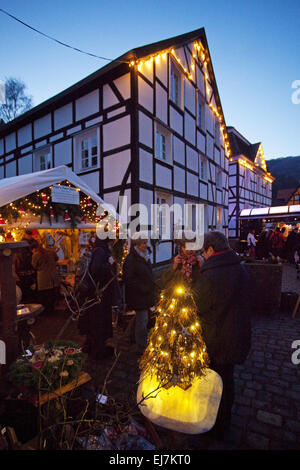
pixel 165 218
pixel 247 178
pixel 219 179
pixel 219 217
pixel 43 159
pixel 203 168
pixel 217 131
pixel 161 147
pixel 253 182
pixel 87 146
pixel 175 84
pixel 163 139
pixel 201 112
pixel 258 184
pixel 191 216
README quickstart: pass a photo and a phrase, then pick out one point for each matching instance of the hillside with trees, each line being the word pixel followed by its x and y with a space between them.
pixel 286 171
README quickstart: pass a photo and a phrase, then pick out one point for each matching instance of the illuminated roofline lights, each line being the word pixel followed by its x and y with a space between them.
pixel 204 59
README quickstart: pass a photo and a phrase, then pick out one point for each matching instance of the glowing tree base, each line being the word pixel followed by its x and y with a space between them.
pixel 191 411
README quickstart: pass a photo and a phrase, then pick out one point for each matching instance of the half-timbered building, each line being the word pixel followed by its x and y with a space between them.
pixel 250 183
pixel 289 197
pixel 148 125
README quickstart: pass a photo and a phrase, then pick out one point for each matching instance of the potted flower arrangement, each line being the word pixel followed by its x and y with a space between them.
pixel 48 366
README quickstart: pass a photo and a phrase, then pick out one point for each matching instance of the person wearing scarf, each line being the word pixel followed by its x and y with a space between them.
pixel 139 287
pixel 187 261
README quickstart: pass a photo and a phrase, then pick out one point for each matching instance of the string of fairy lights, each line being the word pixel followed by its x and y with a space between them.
pixel 39 204
pixel 176 352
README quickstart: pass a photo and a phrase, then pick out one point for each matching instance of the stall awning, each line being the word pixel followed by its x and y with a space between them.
pixel 271 212
pixel 17 187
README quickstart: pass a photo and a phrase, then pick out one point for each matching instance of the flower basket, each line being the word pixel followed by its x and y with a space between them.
pixel 48 368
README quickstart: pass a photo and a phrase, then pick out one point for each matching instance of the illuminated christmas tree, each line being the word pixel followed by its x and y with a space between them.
pixel 176 353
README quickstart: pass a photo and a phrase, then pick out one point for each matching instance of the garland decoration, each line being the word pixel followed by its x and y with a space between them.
pixel 39 204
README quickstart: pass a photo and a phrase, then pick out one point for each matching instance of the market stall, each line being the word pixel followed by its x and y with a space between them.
pixel 58 209
pixel 270 217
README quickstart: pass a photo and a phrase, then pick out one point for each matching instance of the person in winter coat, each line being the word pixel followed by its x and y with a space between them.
pixel 96 321
pixel 292 244
pixel 262 246
pixel 44 262
pixel 276 241
pixel 223 301
pixel 26 275
pixel 139 287
pixel 251 242
pixel 187 261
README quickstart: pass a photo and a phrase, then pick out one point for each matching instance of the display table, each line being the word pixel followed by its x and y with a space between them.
pixel 25 317
pixel 28 311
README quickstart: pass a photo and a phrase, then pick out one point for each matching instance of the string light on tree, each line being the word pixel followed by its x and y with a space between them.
pixel 177 334
pixel 183 393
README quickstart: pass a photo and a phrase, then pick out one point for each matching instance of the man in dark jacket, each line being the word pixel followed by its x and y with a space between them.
pixel 139 288
pixel 223 298
pixel 96 321
pixel 292 245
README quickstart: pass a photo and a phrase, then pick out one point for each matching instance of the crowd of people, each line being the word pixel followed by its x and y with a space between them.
pixel 218 279
pixel 276 243
pixel 221 287
pixel 36 272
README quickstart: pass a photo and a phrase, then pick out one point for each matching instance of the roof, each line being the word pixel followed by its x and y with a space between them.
pixel 17 187
pixel 93 80
pixel 285 194
pixel 271 212
pixel 241 146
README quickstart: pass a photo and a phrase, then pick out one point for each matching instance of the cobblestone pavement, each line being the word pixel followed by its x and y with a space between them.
pixel 266 411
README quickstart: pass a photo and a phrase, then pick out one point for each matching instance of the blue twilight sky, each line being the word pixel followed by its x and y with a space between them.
pixel 255 50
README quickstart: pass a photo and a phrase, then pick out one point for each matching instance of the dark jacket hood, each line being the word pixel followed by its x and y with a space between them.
pixel 225 258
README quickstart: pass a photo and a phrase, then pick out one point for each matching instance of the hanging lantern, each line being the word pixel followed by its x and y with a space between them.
pixel 67 217
pixel 51 212
pixel 2 222
pixel 21 210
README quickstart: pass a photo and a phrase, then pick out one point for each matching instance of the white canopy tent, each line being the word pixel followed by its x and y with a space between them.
pixel 17 187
